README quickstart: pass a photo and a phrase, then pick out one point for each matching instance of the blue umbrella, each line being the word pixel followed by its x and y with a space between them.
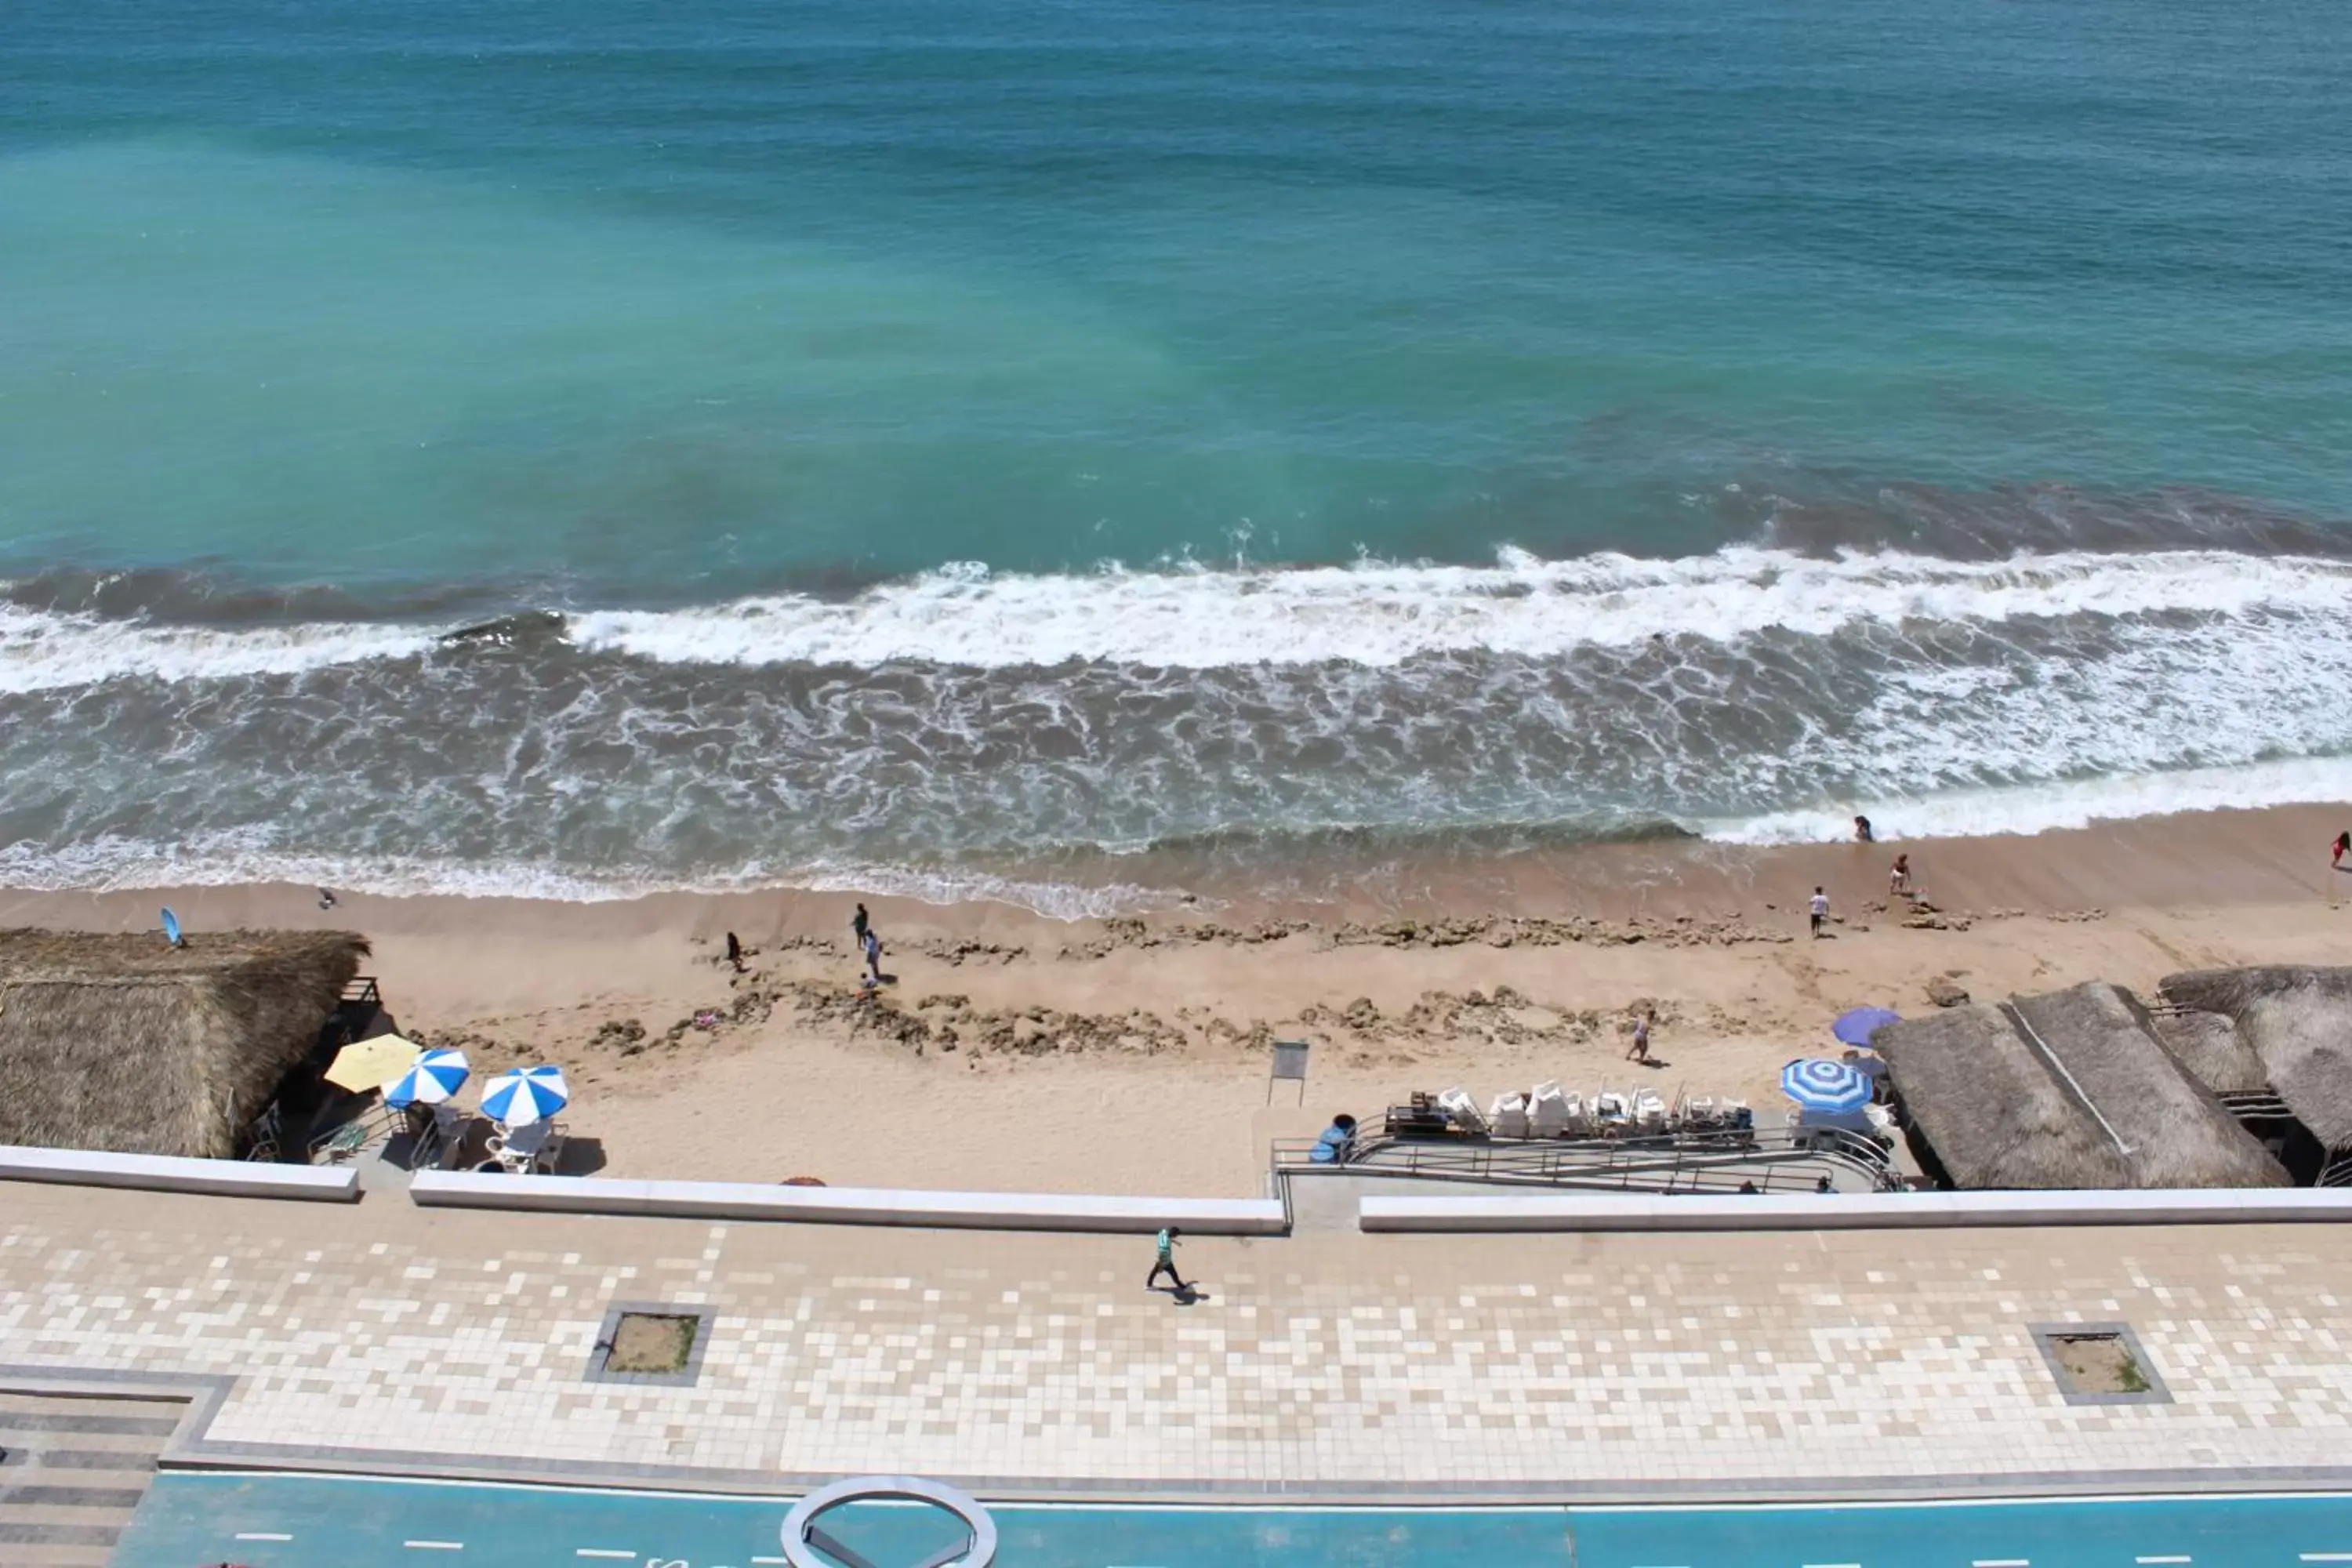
pixel 1819 1085
pixel 525 1095
pixel 1856 1027
pixel 433 1079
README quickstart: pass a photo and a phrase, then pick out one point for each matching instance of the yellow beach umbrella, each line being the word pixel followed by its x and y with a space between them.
pixel 372 1064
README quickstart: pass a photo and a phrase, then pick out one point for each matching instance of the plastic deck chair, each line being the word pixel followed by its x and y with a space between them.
pixel 1289 1062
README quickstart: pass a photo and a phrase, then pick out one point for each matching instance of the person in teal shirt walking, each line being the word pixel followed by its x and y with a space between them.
pixel 1165 1264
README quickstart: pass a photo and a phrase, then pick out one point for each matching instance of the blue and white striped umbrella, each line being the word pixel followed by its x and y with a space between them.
pixel 1819 1085
pixel 432 1078
pixel 525 1095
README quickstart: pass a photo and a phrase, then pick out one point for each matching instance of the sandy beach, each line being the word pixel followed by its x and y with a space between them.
pixel 1131 1055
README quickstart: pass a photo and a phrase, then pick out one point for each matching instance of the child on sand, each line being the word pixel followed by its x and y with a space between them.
pixel 1821 907
pixel 1898 881
pixel 1640 1052
pixel 873 958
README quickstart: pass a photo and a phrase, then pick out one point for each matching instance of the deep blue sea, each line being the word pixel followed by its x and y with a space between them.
pixel 942 446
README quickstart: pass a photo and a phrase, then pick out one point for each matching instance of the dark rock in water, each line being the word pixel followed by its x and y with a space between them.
pixel 525 627
pixel 1943 993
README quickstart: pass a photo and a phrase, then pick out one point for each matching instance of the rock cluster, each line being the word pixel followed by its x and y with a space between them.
pixel 1122 932
pixel 1512 931
pixel 950 1023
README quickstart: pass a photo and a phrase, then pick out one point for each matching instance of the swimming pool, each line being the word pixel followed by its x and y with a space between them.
pixel 278 1521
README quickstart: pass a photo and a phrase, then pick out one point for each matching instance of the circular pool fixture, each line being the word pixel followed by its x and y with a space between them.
pixel 807 1545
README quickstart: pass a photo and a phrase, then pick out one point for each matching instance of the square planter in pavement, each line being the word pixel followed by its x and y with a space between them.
pixel 651 1345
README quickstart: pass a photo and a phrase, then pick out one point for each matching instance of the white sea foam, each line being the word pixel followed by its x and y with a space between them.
pixel 244 857
pixel 40 650
pixel 1378 613
pixel 2052 808
pixel 1373 613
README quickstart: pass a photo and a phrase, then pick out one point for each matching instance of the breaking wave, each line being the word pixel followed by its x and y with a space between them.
pixel 963 734
pixel 1372 613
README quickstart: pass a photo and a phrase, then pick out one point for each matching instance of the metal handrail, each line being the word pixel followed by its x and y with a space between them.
pixel 1660 1163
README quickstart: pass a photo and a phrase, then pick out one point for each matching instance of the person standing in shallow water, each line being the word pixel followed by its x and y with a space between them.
pixel 1862 830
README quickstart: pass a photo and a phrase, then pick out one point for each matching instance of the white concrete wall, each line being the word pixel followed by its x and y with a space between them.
pixel 170 1174
pixel 849 1206
pixel 1855 1211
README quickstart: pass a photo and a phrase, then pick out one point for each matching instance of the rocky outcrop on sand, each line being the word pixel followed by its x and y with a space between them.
pixel 1123 932
pixel 950 1023
pixel 1535 931
pixel 1944 991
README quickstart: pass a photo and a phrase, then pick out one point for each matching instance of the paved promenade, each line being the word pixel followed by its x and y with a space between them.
pixel 396 1340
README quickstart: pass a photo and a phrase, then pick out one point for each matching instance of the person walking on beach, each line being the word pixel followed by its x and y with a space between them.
pixel 1641 1047
pixel 2343 847
pixel 1165 1263
pixel 735 951
pixel 1820 907
pixel 873 956
pixel 858 925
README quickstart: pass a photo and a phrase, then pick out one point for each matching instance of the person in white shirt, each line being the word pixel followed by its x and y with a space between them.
pixel 1821 911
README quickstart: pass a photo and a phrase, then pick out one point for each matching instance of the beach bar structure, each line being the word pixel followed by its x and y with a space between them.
pixel 2274 1043
pixel 126 1044
pixel 2072 1089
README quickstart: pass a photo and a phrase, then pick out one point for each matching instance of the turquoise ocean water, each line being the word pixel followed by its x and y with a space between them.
pixel 960 445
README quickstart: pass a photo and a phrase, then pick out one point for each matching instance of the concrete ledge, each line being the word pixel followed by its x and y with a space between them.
pixel 848 1205
pixel 170 1174
pixel 1855 1211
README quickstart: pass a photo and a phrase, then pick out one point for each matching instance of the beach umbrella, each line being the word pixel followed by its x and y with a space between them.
pixel 430 1079
pixel 1856 1027
pixel 1819 1085
pixel 364 1065
pixel 525 1095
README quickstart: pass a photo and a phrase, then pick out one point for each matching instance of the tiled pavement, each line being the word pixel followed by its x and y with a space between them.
pixel 71 1471
pixel 1641 1366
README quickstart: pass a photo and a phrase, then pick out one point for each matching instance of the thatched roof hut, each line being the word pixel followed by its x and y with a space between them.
pixel 2177 1133
pixel 1991 1109
pixel 1997 1111
pixel 2210 1046
pixel 2298 1021
pixel 127 1044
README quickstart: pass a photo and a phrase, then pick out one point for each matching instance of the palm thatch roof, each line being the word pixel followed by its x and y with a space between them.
pixel 2298 1021
pixel 1991 1109
pixel 2177 1133
pixel 1999 1112
pixel 127 1044
pixel 2210 1046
